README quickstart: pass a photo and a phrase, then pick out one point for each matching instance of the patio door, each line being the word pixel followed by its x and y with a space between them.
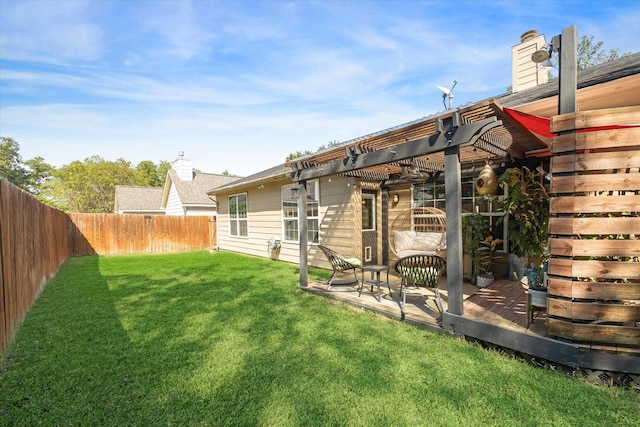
pixel 369 228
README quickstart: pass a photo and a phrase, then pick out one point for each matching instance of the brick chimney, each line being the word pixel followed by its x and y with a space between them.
pixel 524 72
pixel 183 167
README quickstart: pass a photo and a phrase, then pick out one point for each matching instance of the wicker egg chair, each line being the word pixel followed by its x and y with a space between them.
pixel 413 222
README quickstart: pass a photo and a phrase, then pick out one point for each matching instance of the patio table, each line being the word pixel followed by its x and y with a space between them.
pixel 377 269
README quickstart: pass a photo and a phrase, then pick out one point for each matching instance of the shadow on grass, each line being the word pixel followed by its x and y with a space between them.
pixel 229 340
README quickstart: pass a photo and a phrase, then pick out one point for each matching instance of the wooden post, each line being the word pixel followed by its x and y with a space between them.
pixel 453 207
pixel 302 237
pixel 385 226
pixel 568 65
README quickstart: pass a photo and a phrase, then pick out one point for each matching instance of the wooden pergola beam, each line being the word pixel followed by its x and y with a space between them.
pixel 450 133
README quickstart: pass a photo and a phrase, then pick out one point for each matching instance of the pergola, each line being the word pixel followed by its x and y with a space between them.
pixel 437 144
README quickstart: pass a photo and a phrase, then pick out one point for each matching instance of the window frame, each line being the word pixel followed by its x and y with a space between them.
pixel 290 213
pixel 372 197
pixel 492 211
pixel 235 223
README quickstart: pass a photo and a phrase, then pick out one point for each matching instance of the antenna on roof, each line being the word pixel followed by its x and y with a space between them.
pixel 447 93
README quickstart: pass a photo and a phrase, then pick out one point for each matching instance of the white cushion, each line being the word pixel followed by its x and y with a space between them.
pixel 353 261
pixel 403 240
pixel 409 252
pixel 429 241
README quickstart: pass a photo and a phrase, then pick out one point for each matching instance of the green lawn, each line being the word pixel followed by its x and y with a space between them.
pixel 223 339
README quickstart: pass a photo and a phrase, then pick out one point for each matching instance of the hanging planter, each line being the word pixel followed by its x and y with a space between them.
pixel 487 182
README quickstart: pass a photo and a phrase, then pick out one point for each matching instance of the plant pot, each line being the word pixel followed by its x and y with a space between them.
pixel 484 280
pixel 538 298
pixel 516 264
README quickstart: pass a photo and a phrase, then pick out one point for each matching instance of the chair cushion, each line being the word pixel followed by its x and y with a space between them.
pixel 403 240
pixel 428 241
pixel 353 261
pixel 409 252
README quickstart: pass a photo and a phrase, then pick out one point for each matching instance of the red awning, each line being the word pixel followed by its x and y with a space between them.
pixel 541 126
pixel 535 124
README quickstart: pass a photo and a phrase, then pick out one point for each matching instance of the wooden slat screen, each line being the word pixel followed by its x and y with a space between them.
pixel 594 270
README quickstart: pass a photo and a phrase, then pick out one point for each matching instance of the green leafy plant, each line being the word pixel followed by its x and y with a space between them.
pixel 486 254
pixel 527 208
pixel 535 276
pixel 475 228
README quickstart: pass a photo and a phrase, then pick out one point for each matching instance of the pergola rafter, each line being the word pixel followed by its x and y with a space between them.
pixel 450 135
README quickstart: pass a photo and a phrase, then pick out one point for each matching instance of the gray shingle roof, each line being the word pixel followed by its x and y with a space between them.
pixel 131 198
pixel 274 172
pixel 195 192
pixel 621 67
pixel 602 73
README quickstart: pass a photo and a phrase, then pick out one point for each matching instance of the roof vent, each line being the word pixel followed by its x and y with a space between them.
pixel 531 34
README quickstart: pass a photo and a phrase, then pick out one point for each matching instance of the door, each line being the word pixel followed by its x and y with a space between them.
pixel 369 228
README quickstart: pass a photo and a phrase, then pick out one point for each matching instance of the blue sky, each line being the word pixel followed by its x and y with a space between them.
pixel 238 85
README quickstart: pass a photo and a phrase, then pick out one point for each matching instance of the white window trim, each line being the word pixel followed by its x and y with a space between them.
pixel 282 221
pixel 237 220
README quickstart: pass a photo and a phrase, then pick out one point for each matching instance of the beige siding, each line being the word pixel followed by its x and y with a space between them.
pixel 265 220
pixel 396 209
pixel 337 219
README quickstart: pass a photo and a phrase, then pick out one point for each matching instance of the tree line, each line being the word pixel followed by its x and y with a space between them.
pixel 80 186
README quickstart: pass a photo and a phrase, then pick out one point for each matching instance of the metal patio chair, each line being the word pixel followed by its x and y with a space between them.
pixel 340 263
pixel 420 271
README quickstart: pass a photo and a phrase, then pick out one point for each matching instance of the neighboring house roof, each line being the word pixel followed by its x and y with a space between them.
pixel 194 192
pixel 131 199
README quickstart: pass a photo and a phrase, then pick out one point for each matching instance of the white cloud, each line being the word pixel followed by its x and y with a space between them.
pixel 47 31
pixel 239 85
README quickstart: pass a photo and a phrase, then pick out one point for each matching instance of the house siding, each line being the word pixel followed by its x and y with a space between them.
pixel 199 211
pixel 174 205
pixel 264 212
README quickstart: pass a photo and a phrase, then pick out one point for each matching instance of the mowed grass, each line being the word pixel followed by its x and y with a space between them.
pixel 225 339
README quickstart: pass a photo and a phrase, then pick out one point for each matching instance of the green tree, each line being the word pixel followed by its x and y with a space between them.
pixel 591 53
pixel 299 154
pixel 152 175
pixel 40 176
pixel 11 165
pixel 31 175
pixel 89 185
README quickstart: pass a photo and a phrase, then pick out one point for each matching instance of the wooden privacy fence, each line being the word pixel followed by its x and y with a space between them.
pixel 35 239
pixel 33 245
pixel 594 270
pixel 110 234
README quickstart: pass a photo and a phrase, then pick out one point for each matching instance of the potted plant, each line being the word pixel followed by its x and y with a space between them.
pixel 537 283
pixel 475 228
pixel 486 254
pixel 526 205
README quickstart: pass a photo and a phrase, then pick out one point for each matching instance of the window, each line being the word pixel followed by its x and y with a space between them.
pixel 433 195
pixel 290 216
pixel 368 211
pixel 238 223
